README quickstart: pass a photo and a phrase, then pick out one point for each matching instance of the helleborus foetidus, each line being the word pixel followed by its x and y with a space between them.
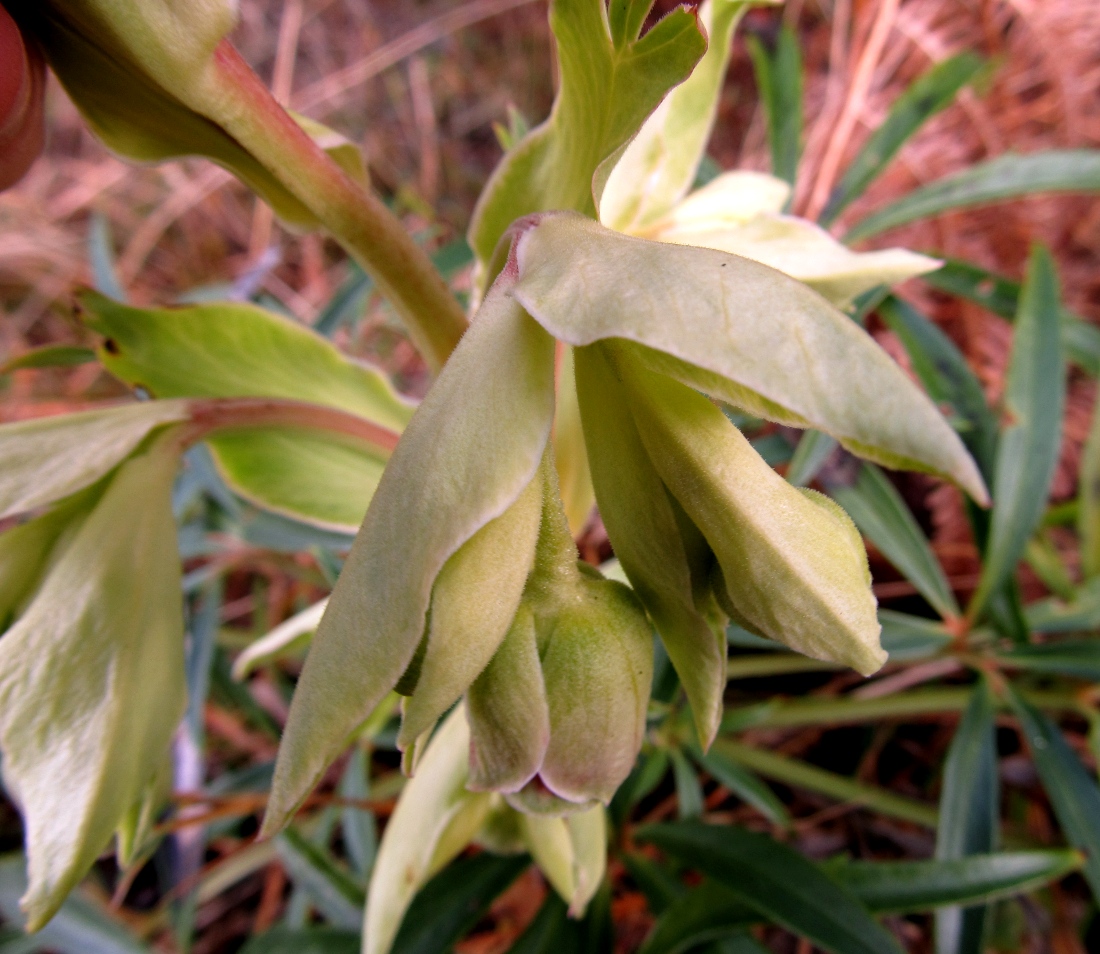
pixel 702 526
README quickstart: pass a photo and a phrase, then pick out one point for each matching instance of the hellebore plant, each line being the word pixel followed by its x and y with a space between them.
pixel 617 316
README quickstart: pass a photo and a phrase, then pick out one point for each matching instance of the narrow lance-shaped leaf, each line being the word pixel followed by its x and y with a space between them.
pixel 659 166
pixel 234 350
pixel 927 95
pixel 969 815
pixel 739 331
pixel 779 78
pixel 1001 296
pixel 434 820
pixel 473 446
pixel 331 890
pixel 1088 500
pixel 609 85
pixel 293 634
pixel 1072 790
pixel 814 448
pixel 1028 450
pixel 91 684
pixel 48 458
pixel 947 378
pixel 1007 177
pixel 882 515
pixel 778 882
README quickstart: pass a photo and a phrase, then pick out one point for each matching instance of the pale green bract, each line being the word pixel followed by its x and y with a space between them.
pixel 740 331
pixel 92 676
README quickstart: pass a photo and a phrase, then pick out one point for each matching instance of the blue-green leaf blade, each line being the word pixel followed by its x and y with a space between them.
pixel 1006 177
pixel 1072 791
pixel 883 517
pixel 778 882
pixel 927 95
pixel 706 913
pixel 779 78
pixel 969 815
pixel 1028 450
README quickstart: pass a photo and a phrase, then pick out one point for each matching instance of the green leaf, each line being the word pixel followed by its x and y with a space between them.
pixel 473 446
pixel 810 455
pixel 779 79
pixel 969 815
pixel 706 913
pixel 792 566
pixel 453 902
pixel 81 925
pixel 907 637
pixel 913 886
pixel 1080 339
pixel 101 257
pixel 288 637
pixel 1088 500
pixel 314 940
pixel 1006 177
pixel 435 819
pixel 1028 450
pixel 233 350
pixel 357 824
pixel 49 458
pixel 347 304
pixel 777 882
pixel 332 891
pixel 947 378
pixel 884 518
pixel 1072 790
pixel 607 90
pixel 1077 658
pixel 660 164
pixel 927 95
pixel 1054 615
pixel 752 337
pixel 637 511
pixel 745 785
pixel 91 679
pixel 554 932
pixel 49 356
pixel 689 793
pixel 657 882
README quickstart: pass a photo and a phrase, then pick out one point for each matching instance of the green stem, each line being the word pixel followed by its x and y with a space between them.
pixel 245 108
pixel 831 711
pixel 800 775
pixel 775 664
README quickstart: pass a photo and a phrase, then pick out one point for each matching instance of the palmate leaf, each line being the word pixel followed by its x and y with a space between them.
pixel 611 80
pixel 91 681
pixel 739 331
pixel 1007 177
pixel 1027 453
pixel 658 167
pixel 483 428
pixel 234 350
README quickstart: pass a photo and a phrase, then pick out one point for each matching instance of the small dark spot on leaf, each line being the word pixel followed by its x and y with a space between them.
pixel 986 287
pixel 111 346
